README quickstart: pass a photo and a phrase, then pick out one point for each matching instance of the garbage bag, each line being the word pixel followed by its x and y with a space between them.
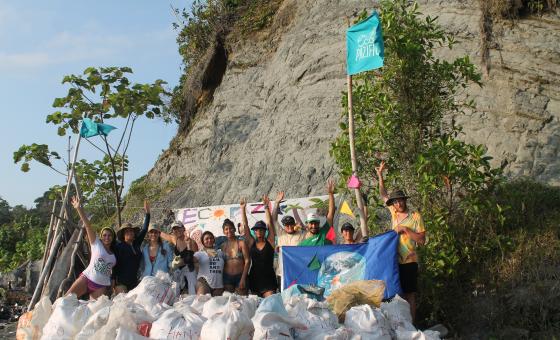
pixel 125 334
pixel 30 324
pixel 175 325
pixel 232 324
pixel 67 319
pixel 125 315
pixel 94 323
pixel 314 315
pixel 368 322
pixel 397 312
pixel 354 294
pixel 271 320
pixel 154 291
pixel 405 334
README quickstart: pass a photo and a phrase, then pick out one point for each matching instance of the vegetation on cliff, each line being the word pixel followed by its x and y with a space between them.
pixel 484 233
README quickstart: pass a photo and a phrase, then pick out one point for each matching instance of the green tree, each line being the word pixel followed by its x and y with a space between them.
pixel 404 114
pixel 5 216
pixel 104 95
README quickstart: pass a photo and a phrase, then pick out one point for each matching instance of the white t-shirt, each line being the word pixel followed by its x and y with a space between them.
pixel 211 268
pixel 100 264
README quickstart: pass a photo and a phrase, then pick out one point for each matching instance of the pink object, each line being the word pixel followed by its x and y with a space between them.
pixel 353 182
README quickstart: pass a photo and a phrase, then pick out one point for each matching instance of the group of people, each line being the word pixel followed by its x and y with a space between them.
pixel 242 263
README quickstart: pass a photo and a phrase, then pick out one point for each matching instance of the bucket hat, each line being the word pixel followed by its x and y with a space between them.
pixel 395 195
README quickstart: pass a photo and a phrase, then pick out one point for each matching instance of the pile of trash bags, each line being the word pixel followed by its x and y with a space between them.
pixel 153 310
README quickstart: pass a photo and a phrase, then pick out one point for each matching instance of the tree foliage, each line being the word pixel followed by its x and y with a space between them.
pixel 103 94
pixel 22 234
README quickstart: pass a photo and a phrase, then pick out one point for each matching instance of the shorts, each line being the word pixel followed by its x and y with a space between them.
pixel 92 286
pixel 408 273
pixel 232 280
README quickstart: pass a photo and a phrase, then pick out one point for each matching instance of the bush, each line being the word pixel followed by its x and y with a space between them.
pixel 209 22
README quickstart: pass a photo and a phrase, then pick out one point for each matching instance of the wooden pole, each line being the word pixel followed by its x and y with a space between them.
pixel 56 243
pixel 359 199
pixel 50 234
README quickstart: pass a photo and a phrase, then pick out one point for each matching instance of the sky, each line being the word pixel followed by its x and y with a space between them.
pixel 42 41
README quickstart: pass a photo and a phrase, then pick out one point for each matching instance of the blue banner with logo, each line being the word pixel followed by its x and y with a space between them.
pixel 331 267
pixel 364 46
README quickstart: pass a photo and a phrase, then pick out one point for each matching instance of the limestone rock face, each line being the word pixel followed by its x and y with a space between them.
pixel 277 109
pixel 518 108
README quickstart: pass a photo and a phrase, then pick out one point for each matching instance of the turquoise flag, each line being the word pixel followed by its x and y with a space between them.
pixel 364 46
pixel 91 128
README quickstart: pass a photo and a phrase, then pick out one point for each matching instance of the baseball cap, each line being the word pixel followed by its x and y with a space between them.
pixel 259 225
pixel 288 220
pixel 312 217
pixel 177 224
pixel 347 226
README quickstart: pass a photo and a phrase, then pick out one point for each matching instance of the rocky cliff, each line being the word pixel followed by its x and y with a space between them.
pixel 276 110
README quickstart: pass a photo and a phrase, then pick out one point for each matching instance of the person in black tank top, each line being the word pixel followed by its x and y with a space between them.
pixel 262 279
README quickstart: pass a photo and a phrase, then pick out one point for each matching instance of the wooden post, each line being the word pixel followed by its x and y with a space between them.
pixel 50 234
pixel 359 199
pixel 56 243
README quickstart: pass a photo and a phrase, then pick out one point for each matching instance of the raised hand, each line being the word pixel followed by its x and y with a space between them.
pixel 243 202
pixel 266 200
pixel 380 169
pixel 330 186
pixel 75 202
pixel 146 206
pixel 279 197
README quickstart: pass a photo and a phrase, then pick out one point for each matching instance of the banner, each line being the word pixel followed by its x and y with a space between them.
pixel 201 219
pixel 364 46
pixel 332 267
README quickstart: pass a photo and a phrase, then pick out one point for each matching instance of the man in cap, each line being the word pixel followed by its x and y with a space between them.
pixel 410 227
pixel 316 235
pixel 291 234
pixel 347 231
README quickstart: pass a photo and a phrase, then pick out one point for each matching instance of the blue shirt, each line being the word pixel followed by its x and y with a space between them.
pixel 161 263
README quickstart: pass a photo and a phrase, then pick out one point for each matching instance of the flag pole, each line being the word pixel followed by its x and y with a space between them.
pixel 359 199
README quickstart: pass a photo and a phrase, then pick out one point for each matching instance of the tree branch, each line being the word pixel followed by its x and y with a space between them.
pixel 124 132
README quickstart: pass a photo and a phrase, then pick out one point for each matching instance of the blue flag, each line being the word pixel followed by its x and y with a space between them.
pixel 90 128
pixel 364 46
pixel 331 267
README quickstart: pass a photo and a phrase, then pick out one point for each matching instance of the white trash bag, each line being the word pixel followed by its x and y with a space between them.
pixel 175 325
pixel 153 292
pixel 199 302
pixel 404 334
pixel 368 322
pixel 125 334
pixel 232 324
pixel 30 324
pixel 94 323
pixel 216 305
pixel 316 316
pixel 67 319
pixel 271 320
pixel 398 313
pixel 124 315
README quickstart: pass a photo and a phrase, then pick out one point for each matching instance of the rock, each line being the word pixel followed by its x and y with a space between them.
pixel 32 272
pixel 273 116
pixel 13 279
